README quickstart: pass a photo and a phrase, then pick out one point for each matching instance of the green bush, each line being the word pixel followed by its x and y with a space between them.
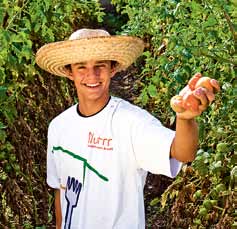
pixel 185 37
pixel 182 37
pixel 29 99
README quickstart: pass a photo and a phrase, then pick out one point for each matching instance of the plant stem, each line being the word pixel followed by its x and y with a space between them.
pixel 232 29
pixel 18 12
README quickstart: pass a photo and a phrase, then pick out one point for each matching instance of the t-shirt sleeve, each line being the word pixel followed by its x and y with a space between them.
pixel 52 176
pixel 151 144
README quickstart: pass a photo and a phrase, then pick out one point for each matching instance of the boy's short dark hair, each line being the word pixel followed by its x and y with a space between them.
pixel 68 67
pixel 113 63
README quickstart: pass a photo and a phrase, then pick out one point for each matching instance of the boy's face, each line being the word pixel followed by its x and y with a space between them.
pixel 92 80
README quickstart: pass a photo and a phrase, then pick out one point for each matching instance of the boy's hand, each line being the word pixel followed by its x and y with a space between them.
pixel 195 97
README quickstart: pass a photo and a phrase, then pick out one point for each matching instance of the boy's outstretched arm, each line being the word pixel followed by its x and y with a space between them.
pixel 190 103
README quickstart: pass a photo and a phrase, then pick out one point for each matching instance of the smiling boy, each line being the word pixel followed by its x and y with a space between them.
pixel 100 150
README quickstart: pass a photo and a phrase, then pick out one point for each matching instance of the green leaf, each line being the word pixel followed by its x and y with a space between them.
pixel 197 9
pixel 143 98
pixel 197 221
pixel 163 60
pixel 156 79
pixel 155 201
pixel 2 126
pixel 2 14
pixel 187 53
pixel 10 113
pixel 27 23
pixel 2 75
pixel 234 159
pixel 197 194
pixel 26 52
pixel 222 147
pixel 3 136
pixel 6 35
pixel 3 174
pixel 37 27
pixel 152 90
pixel 203 211
pixel 216 166
pixel 164 198
pixel 3 94
pixel 207 204
pixel 40 227
pixel 17 38
pixel 220 188
pixel 211 21
pixel 47 3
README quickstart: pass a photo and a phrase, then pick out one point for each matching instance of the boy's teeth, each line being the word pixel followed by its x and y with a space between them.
pixel 92 85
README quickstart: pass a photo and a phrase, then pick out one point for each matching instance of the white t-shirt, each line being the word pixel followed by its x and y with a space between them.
pixel 100 164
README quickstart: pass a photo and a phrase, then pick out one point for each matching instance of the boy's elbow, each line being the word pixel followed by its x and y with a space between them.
pixel 184 156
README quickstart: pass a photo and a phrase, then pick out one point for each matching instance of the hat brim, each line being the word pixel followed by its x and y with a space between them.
pixel 53 57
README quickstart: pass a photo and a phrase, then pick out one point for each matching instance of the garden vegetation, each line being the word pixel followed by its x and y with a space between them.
pixel 182 37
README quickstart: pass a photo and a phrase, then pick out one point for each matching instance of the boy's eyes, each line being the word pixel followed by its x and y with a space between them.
pixel 96 66
pixel 83 67
pixel 80 67
pixel 100 65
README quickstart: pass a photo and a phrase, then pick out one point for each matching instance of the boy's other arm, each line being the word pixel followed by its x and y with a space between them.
pixel 58 212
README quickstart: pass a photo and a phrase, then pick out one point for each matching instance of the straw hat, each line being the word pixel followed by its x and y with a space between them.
pixel 89 44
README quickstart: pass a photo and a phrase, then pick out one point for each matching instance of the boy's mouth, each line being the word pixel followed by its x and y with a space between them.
pixel 92 85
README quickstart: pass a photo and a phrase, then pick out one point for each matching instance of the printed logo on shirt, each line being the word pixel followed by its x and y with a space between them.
pixel 98 142
pixel 72 193
pixel 86 165
pixel 73 186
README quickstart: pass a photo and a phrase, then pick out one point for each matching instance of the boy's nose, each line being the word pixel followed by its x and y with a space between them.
pixel 93 72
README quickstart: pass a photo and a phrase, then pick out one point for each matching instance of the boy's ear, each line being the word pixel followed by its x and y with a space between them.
pixel 113 71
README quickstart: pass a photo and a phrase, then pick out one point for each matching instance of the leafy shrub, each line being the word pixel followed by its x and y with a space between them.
pixel 182 37
pixel 29 99
pixel 185 37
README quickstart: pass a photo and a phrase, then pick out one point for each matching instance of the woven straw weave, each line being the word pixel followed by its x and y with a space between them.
pixel 53 57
